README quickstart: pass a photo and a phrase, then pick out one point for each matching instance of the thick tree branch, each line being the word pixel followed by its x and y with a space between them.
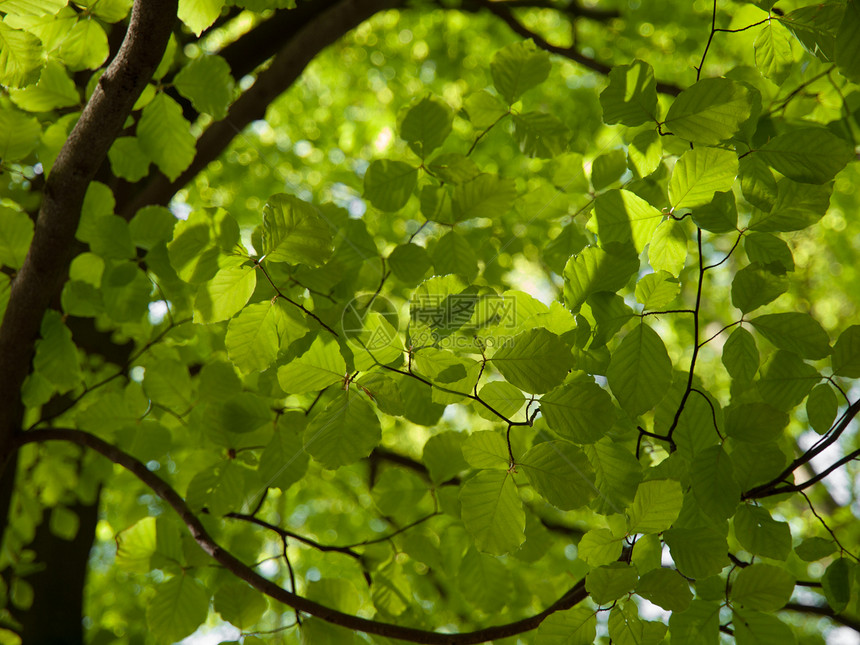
pixel 324 29
pixel 574 595
pixel 47 261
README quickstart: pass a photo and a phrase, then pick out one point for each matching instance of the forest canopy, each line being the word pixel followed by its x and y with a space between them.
pixel 365 321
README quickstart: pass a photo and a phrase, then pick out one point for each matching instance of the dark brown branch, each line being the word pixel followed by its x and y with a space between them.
pixel 47 261
pixel 288 64
pixel 573 596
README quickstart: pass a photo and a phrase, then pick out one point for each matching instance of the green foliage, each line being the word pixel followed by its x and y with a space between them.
pixel 429 342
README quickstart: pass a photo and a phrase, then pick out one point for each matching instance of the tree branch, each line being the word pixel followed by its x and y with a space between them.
pixel 574 595
pixel 47 261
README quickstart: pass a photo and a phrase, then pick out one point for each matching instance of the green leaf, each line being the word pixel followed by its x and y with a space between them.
pixel 699 625
pixel 797 206
pixel 709 111
pixel 178 608
pixel 56 356
pixel 623 216
pixel 816 26
pixel 409 263
pixel 128 160
pixel 755 286
pixel 284 461
pixel 668 248
pixel 846 353
pixel 85 46
pixel 740 355
pixel 486 449
pixel 505 399
pixel 794 332
pixel 666 588
pixel 699 174
pixel 426 125
pixel 577 626
pixel 19 134
pixel 763 587
pixel 599 546
pixel 37 8
pixel 295 232
pixel 754 628
pixel 807 155
pixel 398 491
pixel 240 604
pixel 388 184
pixel 560 472
pixel 720 215
pixel 20 56
pixel 254 336
pixel 492 511
pixel 199 14
pixel 454 254
pixel 540 134
pixel 645 153
pixel 322 365
pixel 836 583
pixel 125 292
pixel 107 10
pixel 814 548
pixel 593 270
pixel 656 290
pixel 631 96
pixel 17 232
pixel 484 196
pixel 616 474
pixel 760 534
pixel 655 507
pixel 757 183
pixel 165 136
pixel 443 456
pixel 847 47
pixel 579 412
pixel 611 582
pixel 534 361
pixel 208 84
pixel 484 109
pixel 54 90
pixel 786 380
pixel 698 552
pixel 626 628
pixel 454 168
pixel 484 581
pixel 640 372
pixel 344 432
pixel 821 407
pixel 755 422
pixel 224 295
pixel 136 545
pixel 517 68
pixel 714 486
pixel 773 56
pixel 769 251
